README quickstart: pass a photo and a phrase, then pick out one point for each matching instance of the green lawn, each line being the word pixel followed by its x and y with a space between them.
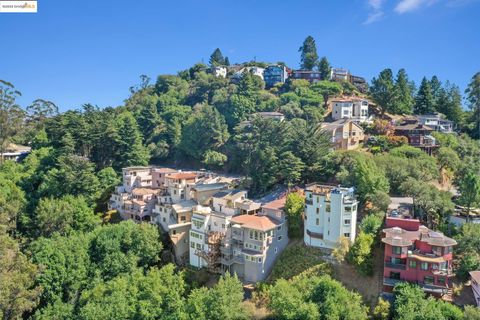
pixel 295 259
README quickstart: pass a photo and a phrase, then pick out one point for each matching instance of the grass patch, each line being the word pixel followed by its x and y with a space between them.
pixel 295 259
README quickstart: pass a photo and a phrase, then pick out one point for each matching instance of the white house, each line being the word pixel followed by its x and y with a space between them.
pixel 350 108
pixel 330 213
pixel 256 71
pixel 219 72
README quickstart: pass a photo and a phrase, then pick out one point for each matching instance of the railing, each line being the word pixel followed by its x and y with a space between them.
pixel 395 266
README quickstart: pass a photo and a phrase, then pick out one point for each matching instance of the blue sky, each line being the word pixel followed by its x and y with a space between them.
pixel 75 52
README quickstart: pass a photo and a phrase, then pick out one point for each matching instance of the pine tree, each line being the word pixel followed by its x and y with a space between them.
pixel 383 92
pixel 129 151
pixel 309 56
pixel 449 103
pixel 436 86
pixel 217 59
pixel 227 61
pixel 325 68
pixel 404 102
pixel 424 101
pixel 473 97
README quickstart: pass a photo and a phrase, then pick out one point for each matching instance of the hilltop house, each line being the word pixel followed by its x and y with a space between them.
pixel 418 135
pixel 416 254
pixel 345 134
pixel 311 76
pixel 275 74
pixel 437 122
pixel 354 108
pixel 330 213
pixel 256 71
pixel 237 236
pixel 219 71
pixel 15 152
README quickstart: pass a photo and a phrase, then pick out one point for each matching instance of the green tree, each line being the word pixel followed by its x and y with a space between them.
pixel 383 91
pixel 289 168
pixel 294 207
pixel 324 68
pixel 214 159
pixel 449 103
pixel 129 150
pixel 371 224
pixel 308 56
pixel 11 114
pixel 447 159
pixel 360 254
pixel 64 215
pixel 12 203
pixel 205 130
pixel 469 189
pixel 217 59
pixel 424 100
pixel 341 249
pixel 471 313
pixel 156 295
pixel 437 89
pixel 327 89
pixel 382 310
pixel 18 293
pixel 473 98
pixel 404 97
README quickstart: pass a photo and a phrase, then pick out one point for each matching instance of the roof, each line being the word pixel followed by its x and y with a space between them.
pixel 272 113
pixel 332 126
pixel 278 204
pixel 137 168
pixel 164 170
pixel 12 147
pixel 399 237
pixel 475 275
pixel 209 186
pixel 348 99
pixel 183 206
pixel 413 126
pixel 139 202
pixel 231 193
pixel 182 175
pixel 256 222
pixel 144 191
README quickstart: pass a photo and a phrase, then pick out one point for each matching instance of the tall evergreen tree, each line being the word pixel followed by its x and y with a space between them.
pixel 404 102
pixel 424 101
pixel 227 61
pixel 324 68
pixel 449 103
pixel 383 92
pixel 129 151
pixel 217 59
pixel 437 88
pixel 309 56
pixel 473 98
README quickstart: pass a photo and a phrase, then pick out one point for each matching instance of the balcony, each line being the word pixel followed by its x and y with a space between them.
pixel 426 287
pixel 240 259
pixel 395 266
pixel 309 202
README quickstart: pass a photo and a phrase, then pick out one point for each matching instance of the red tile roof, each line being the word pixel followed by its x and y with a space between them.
pixel 182 175
pixel 256 222
pixel 278 204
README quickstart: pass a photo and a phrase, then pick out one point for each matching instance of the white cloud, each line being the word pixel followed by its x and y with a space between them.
pixel 376 12
pixel 410 5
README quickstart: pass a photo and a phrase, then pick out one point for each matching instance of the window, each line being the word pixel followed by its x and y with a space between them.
pixel 279 228
pixel 348 209
pixel 441 281
pixel 428 279
pixel 327 208
pixel 424 266
pixel 174 231
pixel 259 260
pixel 437 250
pixel 354 208
pixel 183 218
pixel 347 221
pixel 346 235
pixel 318 199
pixel 328 219
pixel 199 246
pixel 412 264
pixel 397 250
pixel 317 221
pixel 318 210
pixel 279 238
pixel 164 219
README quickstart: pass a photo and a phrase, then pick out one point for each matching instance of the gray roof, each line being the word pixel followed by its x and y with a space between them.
pixel 224 193
pixel 210 186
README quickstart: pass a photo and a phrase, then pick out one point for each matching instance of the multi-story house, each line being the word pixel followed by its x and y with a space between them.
pixel 311 76
pixel 418 135
pixel 339 74
pixel 475 282
pixel 256 71
pixel 350 108
pixel 416 254
pixel 275 74
pixel 219 71
pixel 330 213
pixel 437 122
pixel 240 238
pixel 345 134
pixel 15 152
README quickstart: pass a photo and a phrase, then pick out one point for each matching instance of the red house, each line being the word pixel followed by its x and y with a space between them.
pixel 416 254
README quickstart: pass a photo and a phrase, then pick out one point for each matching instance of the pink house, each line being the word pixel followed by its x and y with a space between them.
pixel 416 254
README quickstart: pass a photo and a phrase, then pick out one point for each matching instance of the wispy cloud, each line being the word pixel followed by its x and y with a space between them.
pixel 376 12
pixel 410 5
